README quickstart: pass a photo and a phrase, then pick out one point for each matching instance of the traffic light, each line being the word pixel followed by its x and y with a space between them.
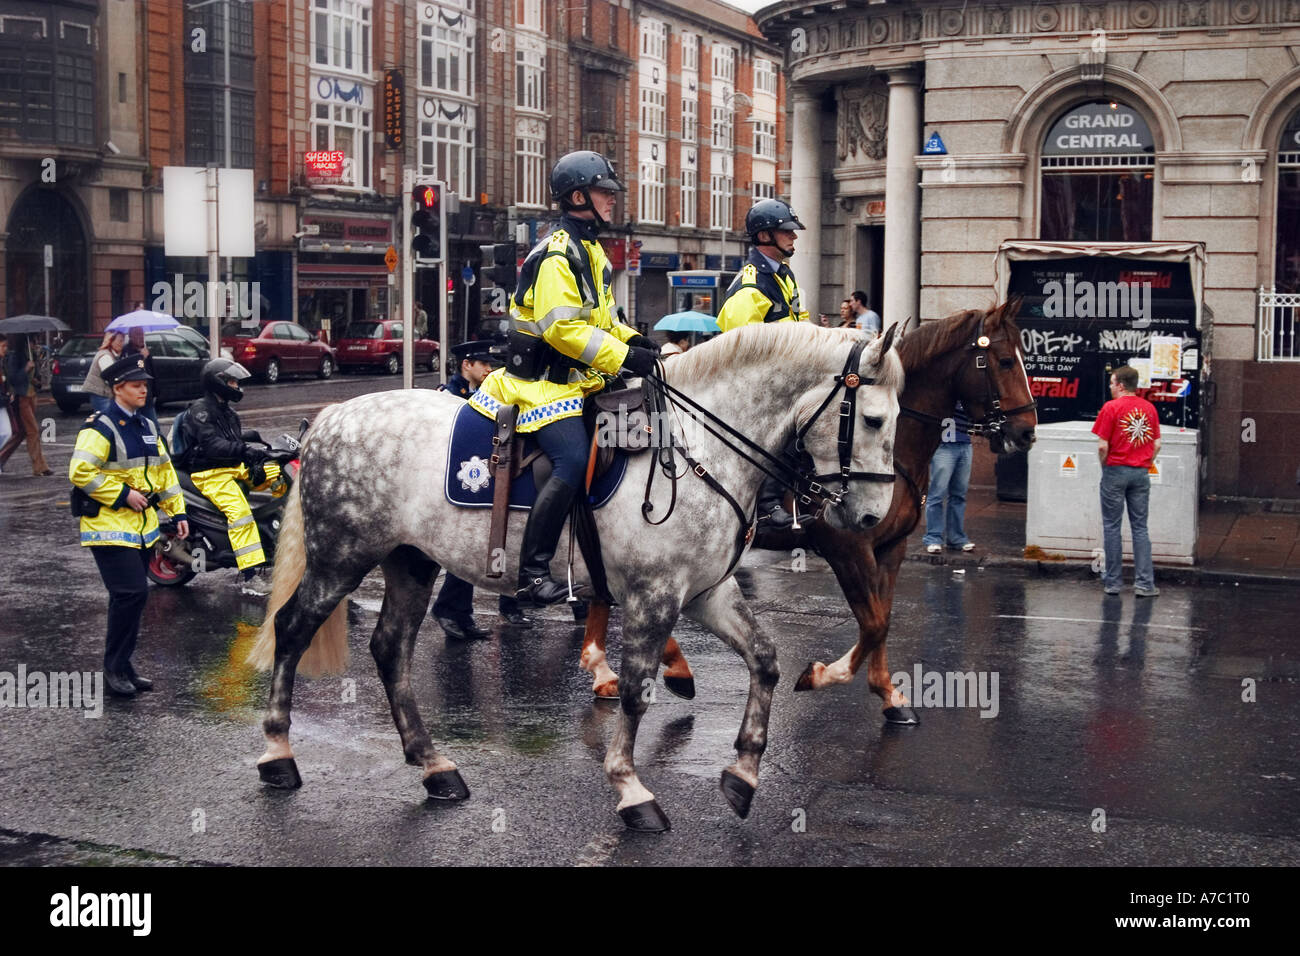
pixel 426 223
pixel 499 265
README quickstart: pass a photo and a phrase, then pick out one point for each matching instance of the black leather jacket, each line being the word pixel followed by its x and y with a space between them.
pixel 213 438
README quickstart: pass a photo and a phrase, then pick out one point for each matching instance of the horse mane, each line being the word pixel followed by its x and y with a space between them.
pixel 775 345
pixel 931 340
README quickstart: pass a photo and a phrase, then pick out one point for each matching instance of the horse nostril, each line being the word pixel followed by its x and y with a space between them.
pixel 869 521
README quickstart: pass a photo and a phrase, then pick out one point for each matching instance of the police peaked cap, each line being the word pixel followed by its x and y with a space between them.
pixel 479 350
pixel 129 368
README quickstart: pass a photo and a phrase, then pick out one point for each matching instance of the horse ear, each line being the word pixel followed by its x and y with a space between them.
pixel 1009 309
pixel 887 340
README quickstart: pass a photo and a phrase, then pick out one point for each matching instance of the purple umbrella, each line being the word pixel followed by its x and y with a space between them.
pixel 142 319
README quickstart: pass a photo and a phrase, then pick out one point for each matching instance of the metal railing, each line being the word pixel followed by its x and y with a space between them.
pixel 1279 315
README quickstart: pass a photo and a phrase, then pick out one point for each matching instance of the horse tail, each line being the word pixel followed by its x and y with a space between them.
pixel 328 651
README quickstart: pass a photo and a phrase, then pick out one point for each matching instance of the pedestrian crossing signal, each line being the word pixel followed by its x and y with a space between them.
pixel 427 223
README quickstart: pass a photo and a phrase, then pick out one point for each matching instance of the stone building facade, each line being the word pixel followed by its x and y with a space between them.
pixel 1216 84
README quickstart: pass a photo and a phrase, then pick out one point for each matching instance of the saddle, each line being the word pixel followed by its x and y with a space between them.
pixel 616 420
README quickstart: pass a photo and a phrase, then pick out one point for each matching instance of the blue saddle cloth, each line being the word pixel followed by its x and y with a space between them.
pixel 470 482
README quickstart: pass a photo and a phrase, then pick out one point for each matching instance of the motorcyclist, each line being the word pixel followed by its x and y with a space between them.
pixel 218 457
pixel 565 339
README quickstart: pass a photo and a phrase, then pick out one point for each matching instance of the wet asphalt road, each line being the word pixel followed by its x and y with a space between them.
pixel 1130 708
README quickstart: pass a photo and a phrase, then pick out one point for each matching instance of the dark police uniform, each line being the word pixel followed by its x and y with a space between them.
pixel 117 452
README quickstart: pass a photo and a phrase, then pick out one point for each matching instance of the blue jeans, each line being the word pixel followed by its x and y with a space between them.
pixel 1123 485
pixel 949 479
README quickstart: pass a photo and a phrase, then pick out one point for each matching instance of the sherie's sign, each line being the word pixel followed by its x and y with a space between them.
pixel 323 166
pixel 1083 317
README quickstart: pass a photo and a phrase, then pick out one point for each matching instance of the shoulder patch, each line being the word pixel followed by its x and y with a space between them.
pixel 559 237
pixel 200 414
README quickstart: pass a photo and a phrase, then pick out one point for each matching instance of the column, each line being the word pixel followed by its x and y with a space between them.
pixel 806 194
pixel 903 199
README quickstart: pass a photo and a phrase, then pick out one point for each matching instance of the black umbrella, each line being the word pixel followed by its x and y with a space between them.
pixel 19 324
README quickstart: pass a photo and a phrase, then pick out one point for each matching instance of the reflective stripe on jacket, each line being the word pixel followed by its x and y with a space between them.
pixel 115 453
pixel 760 293
pixel 564 298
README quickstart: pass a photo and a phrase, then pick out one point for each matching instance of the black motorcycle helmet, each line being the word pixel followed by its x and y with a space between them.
pixel 770 214
pixel 583 169
pixel 221 378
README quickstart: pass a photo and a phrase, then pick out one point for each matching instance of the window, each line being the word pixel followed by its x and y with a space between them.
pixel 764 140
pixel 1286 273
pixel 724 63
pixel 651 195
pixel 690 179
pixel 530 80
pixel 654 39
pixel 600 99
pixel 117 280
pixel 530 166
pixel 720 204
pixel 447 149
pixel 119 205
pixel 613 23
pixel 765 77
pixel 74 100
pixel 205 127
pixel 690 120
pixel 340 34
pixel 586 18
pixel 690 53
pixel 722 128
pixel 447 57
pixel 348 129
pixel 654 109
pixel 764 191
pixel 1097 175
pixel 528 14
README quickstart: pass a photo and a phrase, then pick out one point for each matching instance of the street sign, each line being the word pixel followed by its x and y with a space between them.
pixel 467 275
pixel 49 257
pixel 934 146
pixel 390 259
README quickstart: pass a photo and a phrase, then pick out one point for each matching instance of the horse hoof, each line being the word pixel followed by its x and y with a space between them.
pixel 645 818
pixel 738 793
pixel 281 773
pixel 805 681
pixel 683 687
pixel 607 690
pixel 447 785
pixel 901 716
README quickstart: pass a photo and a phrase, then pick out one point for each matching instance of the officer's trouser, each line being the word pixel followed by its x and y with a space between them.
pixel 220 486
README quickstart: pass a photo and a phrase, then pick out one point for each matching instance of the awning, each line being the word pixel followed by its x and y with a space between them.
pixel 329 275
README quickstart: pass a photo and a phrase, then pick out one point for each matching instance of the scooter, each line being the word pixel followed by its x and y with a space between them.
pixel 176 560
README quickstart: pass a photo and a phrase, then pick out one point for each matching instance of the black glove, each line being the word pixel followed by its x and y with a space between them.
pixel 258 474
pixel 639 361
pixel 644 342
pixel 252 436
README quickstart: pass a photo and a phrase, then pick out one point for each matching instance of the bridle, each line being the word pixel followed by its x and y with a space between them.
pixel 810 490
pixel 996 421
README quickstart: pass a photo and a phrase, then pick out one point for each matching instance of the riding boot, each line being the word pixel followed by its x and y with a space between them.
pixel 541 537
pixel 771 510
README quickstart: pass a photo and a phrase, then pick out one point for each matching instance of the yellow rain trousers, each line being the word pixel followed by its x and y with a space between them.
pixel 221 486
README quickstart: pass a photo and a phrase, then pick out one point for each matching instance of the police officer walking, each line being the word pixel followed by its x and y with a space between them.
pixel 565 339
pixel 765 290
pixel 121 471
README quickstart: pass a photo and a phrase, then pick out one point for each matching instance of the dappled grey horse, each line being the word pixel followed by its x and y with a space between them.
pixel 369 494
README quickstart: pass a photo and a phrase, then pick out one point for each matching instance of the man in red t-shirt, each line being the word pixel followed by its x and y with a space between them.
pixel 1128 440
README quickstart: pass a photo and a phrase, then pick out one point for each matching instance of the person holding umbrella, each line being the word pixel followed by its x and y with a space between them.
pixel 20 377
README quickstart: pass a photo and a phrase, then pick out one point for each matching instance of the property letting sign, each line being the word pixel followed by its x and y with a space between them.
pixel 323 166
pixel 394 108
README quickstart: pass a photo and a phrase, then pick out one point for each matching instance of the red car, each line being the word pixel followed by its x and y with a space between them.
pixel 379 345
pixel 278 348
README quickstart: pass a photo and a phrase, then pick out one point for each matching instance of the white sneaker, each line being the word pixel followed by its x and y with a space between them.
pixel 934 548
pixel 968 546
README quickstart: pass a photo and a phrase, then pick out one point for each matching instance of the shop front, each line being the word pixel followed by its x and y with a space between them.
pixel 341 276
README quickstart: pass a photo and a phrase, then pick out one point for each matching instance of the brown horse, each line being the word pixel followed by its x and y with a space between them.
pixel 973 356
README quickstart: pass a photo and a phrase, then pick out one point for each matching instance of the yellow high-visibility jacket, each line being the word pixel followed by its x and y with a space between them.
pixel 760 293
pixel 117 452
pixel 571 312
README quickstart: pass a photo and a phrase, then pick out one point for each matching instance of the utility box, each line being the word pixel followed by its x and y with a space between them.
pixel 1064 508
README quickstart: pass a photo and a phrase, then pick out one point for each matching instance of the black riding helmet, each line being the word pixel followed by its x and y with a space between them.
pixel 221 378
pixel 770 214
pixel 583 169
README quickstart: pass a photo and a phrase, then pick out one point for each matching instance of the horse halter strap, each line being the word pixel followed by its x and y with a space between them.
pixel 850 380
pixel 995 416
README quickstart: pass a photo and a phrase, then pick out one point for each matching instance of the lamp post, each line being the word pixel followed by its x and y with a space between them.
pixel 730 100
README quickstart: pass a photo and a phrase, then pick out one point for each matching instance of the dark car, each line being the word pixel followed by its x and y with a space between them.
pixel 178 358
pixel 379 345
pixel 278 348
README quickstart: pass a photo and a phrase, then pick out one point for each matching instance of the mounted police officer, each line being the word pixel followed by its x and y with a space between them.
pixel 121 472
pixel 565 339
pixel 219 458
pixel 765 290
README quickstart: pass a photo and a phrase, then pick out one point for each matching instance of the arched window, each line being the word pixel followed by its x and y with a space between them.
pixel 1097 170
pixel 1286 273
